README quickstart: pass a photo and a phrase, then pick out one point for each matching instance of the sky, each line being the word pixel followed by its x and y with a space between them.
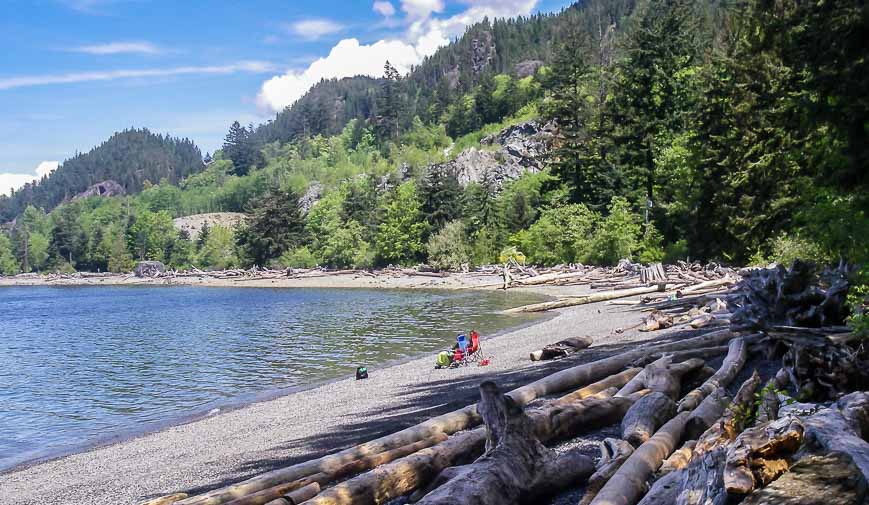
pixel 73 72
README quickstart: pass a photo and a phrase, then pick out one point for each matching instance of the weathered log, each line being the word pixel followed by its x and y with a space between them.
pixel 679 459
pixel 855 409
pixel 451 422
pixel 702 352
pixel 829 479
pixel 733 363
pixel 518 469
pixel 767 410
pixel 704 416
pixel 353 467
pixel 760 454
pixel 613 453
pixel 664 490
pixel 665 376
pixel 645 416
pixel 298 496
pixel 829 430
pixel 616 380
pixel 737 413
pixel 629 482
pixel 166 500
pixel 703 480
pixel 564 421
pixel 715 283
pixel 582 300
pixel 561 349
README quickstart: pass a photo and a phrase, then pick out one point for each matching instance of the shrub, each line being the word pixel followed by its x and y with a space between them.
pixel 616 237
pixel 449 248
pixel 858 300
pixel 786 248
pixel 558 236
pixel 298 258
pixel 651 249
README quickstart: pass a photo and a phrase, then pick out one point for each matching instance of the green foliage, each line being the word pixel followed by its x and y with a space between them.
pixel 152 236
pixel 399 238
pixel 858 301
pixel 8 263
pixel 275 227
pixel 449 249
pixel 786 248
pixel 301 257
pixel 241 148
pixel 560 235
pixel 218 250
pixel 335 241
pixel 651 248
pixel 616 237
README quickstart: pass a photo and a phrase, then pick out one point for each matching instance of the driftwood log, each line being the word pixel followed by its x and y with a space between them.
pixel 733 363
pixel 704 416
pixel 646 416
pixel 298 496
pixel 452 422
pixel 760 454
pixel 828 479
pixel 616 380
pixel 582 300
pixel 561 349
pixel 518 468
pixel 679 459
pixel 703 480
pixel 734 419
pixel 830 429
pixel 628 484
pixel 613 453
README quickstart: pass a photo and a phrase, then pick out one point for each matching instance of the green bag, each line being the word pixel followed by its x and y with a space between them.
pixel 443 360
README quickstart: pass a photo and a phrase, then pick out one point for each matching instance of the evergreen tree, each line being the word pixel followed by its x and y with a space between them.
pixel 576 156
pixel 275 226
pixel 390 103
pixel 8 263
pixel 659 47
pixel 240 147
pixel 485 104
pixel 441 196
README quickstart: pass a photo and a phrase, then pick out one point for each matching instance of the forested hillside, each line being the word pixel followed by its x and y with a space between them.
pixel 682 128
pixel 130 158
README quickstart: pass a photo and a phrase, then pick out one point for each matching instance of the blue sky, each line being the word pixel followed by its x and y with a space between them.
pixel 74 71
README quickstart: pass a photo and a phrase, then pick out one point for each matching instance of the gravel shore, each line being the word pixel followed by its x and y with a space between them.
pixel 235 445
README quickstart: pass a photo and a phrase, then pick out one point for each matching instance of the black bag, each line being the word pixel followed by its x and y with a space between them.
pixel 361 373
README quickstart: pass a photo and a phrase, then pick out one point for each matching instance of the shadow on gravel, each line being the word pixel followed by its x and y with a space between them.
pixel 424 401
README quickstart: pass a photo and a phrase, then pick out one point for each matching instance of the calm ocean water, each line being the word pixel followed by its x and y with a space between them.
pixel 81 365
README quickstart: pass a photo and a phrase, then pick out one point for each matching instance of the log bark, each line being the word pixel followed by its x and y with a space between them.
pixel 733 363
pixel 353 467
pixel 646 416
pixel 760 454
pixel 733 420
pixel 166 500
pixel 705 415
pixel 616 380
pixel 518 468
pixel 298 496
pixel 613 453
pixel 582 300
pixel 703 480
pixel 769 401
pixel 662 376
pixel 815 480
pixel 628 484
pixel 679 459
pixel 831 431
pixel 561 348
pixel 664 490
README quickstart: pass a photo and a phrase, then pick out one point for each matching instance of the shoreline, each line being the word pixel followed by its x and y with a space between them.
pixel 231 404
pixel 206 452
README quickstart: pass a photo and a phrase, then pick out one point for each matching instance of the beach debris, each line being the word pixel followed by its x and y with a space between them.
pixel 361 373
pixel 561 349
pixel 149 269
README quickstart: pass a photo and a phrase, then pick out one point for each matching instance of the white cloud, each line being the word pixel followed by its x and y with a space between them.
pixel 119 48
pixel 424 35
pixel 384 8
pixel 10 181
pixel 421 9
pixel 313 29
pixel 346 59
pixel 109 75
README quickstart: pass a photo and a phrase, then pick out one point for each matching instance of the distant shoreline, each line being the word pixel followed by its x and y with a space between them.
pixel 385 279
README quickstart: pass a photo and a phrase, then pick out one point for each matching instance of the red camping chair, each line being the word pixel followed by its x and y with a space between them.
pixel 472 353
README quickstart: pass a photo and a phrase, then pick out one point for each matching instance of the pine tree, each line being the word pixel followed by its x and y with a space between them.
pixel 485 104
pixel 390 103
pixel 275 226
pixel 239 146
pixel 441 196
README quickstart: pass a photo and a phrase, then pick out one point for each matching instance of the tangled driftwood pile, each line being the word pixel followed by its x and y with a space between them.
pixel 690 434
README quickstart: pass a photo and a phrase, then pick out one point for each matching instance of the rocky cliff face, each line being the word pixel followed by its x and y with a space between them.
pixel 518 149
pixel 105 188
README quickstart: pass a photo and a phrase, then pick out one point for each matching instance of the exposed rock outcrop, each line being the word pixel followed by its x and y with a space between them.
pixel 527 67
pixel 519 149
pixel 193 224
pixel 311 196
pixel 105 188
